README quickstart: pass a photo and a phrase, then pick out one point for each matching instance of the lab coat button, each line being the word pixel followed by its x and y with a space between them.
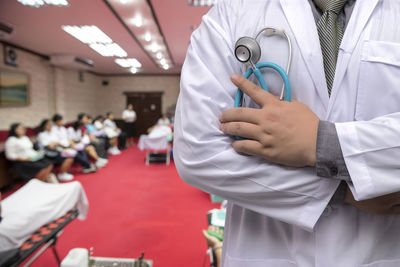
pixel 334 171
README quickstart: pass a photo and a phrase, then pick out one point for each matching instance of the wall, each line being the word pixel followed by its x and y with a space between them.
pixel 113 98
pixel 40 84
pixel 54 89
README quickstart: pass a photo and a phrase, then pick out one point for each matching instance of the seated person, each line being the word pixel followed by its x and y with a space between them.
pixel 27 163
pixel 159 130
pixel 34 205
pixel 61 134
pixel 100 144
pixel 111 129
pixel 82 142
pixel 164 120
pixel 110 136
pixel 53 150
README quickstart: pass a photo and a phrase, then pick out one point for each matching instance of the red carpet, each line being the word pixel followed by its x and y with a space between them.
pixel 135 208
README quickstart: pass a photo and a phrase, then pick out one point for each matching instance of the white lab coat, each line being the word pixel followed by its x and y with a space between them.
pixel 279 216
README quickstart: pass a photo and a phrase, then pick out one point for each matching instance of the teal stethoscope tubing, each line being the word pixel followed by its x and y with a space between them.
pixel 263 84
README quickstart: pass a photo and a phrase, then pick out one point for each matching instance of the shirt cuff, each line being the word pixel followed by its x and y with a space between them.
pixel 330 162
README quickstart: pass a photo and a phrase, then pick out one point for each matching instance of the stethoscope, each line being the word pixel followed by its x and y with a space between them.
pixel 248 51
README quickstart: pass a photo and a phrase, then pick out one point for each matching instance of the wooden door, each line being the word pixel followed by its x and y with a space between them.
pixel 147 106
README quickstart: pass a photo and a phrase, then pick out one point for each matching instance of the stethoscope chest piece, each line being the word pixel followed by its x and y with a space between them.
pixel 247 50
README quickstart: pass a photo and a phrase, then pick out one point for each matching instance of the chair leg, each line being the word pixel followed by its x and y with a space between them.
pixel 168 157
pixel 53 247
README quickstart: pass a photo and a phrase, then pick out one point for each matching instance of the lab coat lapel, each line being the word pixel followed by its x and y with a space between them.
pixel 302 24
pixel 359 18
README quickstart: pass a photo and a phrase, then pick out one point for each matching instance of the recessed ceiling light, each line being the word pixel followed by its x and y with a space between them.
pixel 128 62
pixel 133 70
pixel 154 47
pixel 147 37
pixel 137 21
pixel 166 66
pixel 163 61
pixel 159 55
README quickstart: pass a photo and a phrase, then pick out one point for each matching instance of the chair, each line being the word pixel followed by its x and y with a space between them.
pixel 45 237
pixel 156 148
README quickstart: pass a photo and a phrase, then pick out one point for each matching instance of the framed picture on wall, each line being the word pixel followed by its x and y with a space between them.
pixel 14 88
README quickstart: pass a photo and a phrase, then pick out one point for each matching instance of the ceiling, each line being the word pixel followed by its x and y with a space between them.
pixel 39 29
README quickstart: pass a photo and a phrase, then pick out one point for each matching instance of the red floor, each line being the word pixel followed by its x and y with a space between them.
pixel 135 208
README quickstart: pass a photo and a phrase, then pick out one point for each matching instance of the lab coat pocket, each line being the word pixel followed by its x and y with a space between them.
pixel 379 80
pixel 383 263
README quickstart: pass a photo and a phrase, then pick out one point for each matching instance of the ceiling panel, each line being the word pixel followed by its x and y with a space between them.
pixel 39 29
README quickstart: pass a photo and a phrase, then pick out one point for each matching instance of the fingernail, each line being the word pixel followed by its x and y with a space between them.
pixel 235 77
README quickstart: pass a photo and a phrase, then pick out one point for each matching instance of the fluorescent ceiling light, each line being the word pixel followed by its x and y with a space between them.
pixel 38 3
pixel 35 3
pixel 202 2
pixel 159 55
pixel 56 2
pixel 109 50
pixel 88 34
pixel 137 21
pixel 147 37
pixel 128 62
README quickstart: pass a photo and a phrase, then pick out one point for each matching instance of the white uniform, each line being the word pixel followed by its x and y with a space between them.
pixel 61 134
pixel 19 148
pixel 46 138
pixel 129 115
pixel 279 216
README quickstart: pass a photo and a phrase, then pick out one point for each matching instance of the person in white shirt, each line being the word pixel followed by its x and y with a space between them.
pixel 27 162
pixel 49 143
pixel 110 135
pixel 82 142
pixel 61 133
pixel 110 127
pixel 164 120
pixel 95 137
pixel 129 117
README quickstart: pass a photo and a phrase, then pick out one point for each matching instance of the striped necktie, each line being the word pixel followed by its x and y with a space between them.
pixel 330 35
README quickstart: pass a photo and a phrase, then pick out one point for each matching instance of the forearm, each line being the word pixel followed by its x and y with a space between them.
pixel 330 162
pixel 371 150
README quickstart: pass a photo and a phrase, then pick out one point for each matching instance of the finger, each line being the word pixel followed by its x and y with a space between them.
pixel 260 96
pixel 242 129
pixel 249 147
pixel 250 115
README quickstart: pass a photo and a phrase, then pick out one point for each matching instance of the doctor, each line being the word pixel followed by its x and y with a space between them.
pixel 286 186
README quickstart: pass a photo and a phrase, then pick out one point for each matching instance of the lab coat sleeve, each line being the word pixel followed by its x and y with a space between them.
pixel 203 154
pixel 371 150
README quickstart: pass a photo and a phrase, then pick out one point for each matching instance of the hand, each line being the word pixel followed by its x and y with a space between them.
pixel 212 241
pixel 281 132
pixel 383 205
